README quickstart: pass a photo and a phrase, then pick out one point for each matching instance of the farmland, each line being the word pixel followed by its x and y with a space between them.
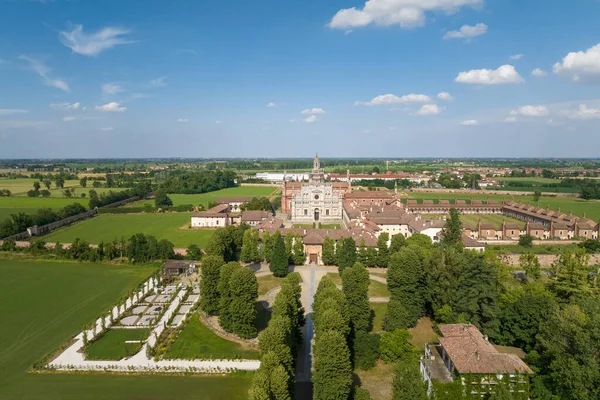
pixel 20 186
pixel 29 205
pixel 33 326
pixel 566 204
pixel 170 226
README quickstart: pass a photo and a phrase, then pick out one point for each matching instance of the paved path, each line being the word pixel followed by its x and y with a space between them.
pixel 378 279
pixel 379 299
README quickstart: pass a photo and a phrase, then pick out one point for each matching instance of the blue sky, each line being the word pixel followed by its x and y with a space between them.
pixel 385 78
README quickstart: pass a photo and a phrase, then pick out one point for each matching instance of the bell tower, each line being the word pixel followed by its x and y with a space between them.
pixel 317 175
pixel 316 163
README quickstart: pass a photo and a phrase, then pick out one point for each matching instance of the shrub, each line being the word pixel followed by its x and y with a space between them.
pixel 526 240
pixel 395 346
pixel 366 350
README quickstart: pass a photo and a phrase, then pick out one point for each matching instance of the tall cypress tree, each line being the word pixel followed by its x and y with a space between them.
pixel 243 287
pixel 355 286
pixel 452 233
pixel 406 282
pixel 225 318
pixel 267 249
pixel 346 254
pixel 209 290
pixel 398 241
pixel 279 260
pixel 246 254
pixel 383 252
pixel 329 251
pixel 332 377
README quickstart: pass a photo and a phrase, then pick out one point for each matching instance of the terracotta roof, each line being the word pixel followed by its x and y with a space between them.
pixel 462 202
pixel 254 215
pixel 511 225
pixel 219 210
pixel 471 243
pixel 470 352
pixel 487 226
pixel 371 194
pixel 536 225
pixel 313 238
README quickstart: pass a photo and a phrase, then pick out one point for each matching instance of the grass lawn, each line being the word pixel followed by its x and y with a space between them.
pixel 112 346
pixel 266 283
pixel 20 187
pixel 379 310
pixel 170 226
pixel 204 198
pixel 566 204
pixel 376 289
pixel 422 333
pixel 30 205
pixel 196 341
pixel 46 303
pixel 378 380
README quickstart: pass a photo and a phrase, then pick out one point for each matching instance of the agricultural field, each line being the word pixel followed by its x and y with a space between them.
pixel 19 187
pixel 566 204
pixel 205 198
pixel 107 227
pixel 30 205
pixel 33 326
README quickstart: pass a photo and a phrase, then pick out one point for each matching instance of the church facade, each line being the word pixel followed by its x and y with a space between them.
pixel 315 200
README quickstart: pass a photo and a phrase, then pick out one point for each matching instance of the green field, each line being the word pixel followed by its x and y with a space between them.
pixel 30 205
pixel 379 310
pixel 566 204
pixel 20 187
pixel 530 181
pixel 266 283
pixel 196 341
pixel 112 346
pixel 204 198
pixel 170 226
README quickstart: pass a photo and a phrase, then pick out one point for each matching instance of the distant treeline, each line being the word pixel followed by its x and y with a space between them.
pixel 194 182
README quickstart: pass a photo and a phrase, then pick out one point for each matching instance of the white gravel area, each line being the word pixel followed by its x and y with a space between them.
pixel 146 320
pixel 150 299
pixel 177 319
pixel 192 298
pixel 184 309
pixel 128 321
pixel 139 310
pixel 162 298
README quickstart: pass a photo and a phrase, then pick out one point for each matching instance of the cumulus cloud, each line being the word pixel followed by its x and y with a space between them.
pixel 159 82
pixel 405 13
pixel 183 120
pixel 112 88
pixel 107 129
pixel 65 106
pixel 92 44
pixel 311 119
pixel 580 65
pixel 444 96
pixel 470 122
pixel 271 105
pixel 11 111
pixel 386 99
pixel 583 112
pixel 310 111
pixel 505 74
pixel 531 111
pixel 538 72
pixel 68 119
pixel 43 71
pixel 467 32
pixel 429 109
pixel 111 107
pixel 516 57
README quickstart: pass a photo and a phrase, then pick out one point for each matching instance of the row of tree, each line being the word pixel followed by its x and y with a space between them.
pixel 19 222
pixel 192 182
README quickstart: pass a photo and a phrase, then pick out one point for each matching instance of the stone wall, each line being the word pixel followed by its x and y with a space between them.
pixel 546 260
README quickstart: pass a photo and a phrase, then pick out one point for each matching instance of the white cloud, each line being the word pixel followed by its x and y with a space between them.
pixel 311 119
pixel 538 72
pixel 310 111
pixel 384 99
pixel 218 122
pixel 43 71
pixel 516 57
pixel 92 44
pixel 107 129
pixel 11 111
pixel 406 13
pixel 467 32
pixel 271 105
pixel 183 120
pixel 470 122
pixel 429 109
pixel 65 106
pixel 158 82
pixel 531 111
pixel 580 65
pixel 111 107
pixel 444 96
pixel 510 119
pixel 505 74
pixel 112 88
pixel 68 119
pixel 583 112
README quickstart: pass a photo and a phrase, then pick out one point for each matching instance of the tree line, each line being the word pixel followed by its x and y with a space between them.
pixel 19 222
pixel 193 182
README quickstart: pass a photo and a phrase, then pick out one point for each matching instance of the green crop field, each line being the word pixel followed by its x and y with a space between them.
pixel 530 181
pixel 204 198
pixel 170 226
pixel 196 341
pixel 46 303
pixel 30 205
pixel 112 346
pixel 566 204
pixel 19 187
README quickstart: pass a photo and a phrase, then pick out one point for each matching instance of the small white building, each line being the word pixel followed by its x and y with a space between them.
pixel 216 217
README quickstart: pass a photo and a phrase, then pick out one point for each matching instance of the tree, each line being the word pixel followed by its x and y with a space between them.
pixel 45 193
pixel 250 247
pixel 420 240
pixel 536 195
pixel 531 264
pixel 289 243
pixel 97 184
pixel 193 252
pixel 395 346
pixel 383 252
pixel 355 284
pixel 298 251
pixel 571 274
pixel 346 256
pixel 243 288
pixel 209 300
pixel 33 193
pixel 267 249
pixel 83 181
pixel 47 183
pixel 164 250
pixel 280 383
pixel 329 251
pixel 67 193
pixel 398 241
pixel 396 316
pixel 332 377
pixel 36 186
pixel 59 182
pixel 162 200
pixel 452 232
pixel 366 350
pixel 279 260
pixel 408 383
pixel 406 282
pixel 526 240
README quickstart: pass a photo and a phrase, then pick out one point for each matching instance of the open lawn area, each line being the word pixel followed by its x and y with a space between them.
pixel 566 204
pixel 44 304
pixel 170 226
pixel 112 345
pixel 379 310
pixel 378 380
pixel 376 289
pixel 20 187
pixel 30 205
pixel 204 198
pixel 196 341
pixel 266 283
